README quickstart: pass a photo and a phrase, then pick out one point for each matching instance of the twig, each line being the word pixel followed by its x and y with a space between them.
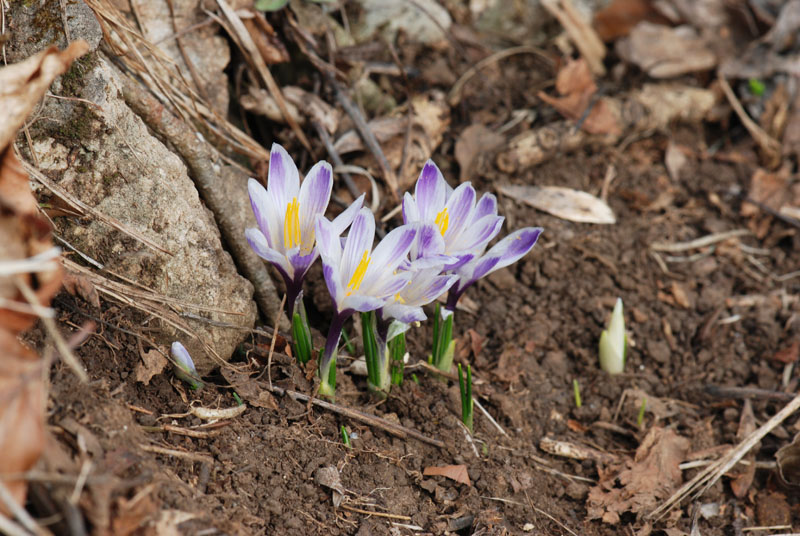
pixel 369 139
pixel 376 514
pixel 199 159
pixel 12 529
pixel 488 416
pixel 390 427
pixel 699 242
pixel 272 342
pixel 720 391
pixel 177 453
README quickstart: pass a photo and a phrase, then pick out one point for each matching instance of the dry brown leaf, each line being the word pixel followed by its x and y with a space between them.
pixel 78 285
pixel 619 17
pixel 474 140
pixel 642 482
pixel 564 203
pixel 152 363
pixel 453 472
pixel 789 354
pixel 21 413
pixel 675 160
pixel 666 52
pixel 772 189
pixel 508 367
pixel 23 84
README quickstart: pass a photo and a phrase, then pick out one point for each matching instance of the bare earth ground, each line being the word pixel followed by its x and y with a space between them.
pixel 539 322
pixel 535 330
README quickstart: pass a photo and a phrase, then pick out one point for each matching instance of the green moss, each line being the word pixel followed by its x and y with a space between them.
pixel 72 82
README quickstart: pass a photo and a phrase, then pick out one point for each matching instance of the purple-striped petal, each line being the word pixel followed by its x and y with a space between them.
pixel 259 244
pixel 361 303
pixel 332 281
pixel 410 210
pixel 343 220
pixel 315 193
pixel 265 212
pixel 429 242
pixel 477 234
pixel 359 240
pixel 430 191
pixel 486 205
pixel 389 286
pixel 461 259
pixel 284 181
pixel 301 263
pixel 459 207
pixel 404 313
pixel 389 253
pixel 328 241
pixel 437 287
pixel 513 247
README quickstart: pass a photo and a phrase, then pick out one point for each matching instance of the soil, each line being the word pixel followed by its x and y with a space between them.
pixel 715 319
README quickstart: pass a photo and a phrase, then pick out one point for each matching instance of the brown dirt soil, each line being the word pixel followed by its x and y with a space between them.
pixel 539 321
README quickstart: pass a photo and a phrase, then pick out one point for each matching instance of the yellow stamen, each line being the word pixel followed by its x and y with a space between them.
pixel 358 275
pixel 399 298
pixel 291 224
pixel 442 220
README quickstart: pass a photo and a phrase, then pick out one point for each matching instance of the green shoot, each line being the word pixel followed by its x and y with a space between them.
pixel 301 335
pixel 397 350
pixel 576 390
pixel 237 398
pixel 348 344
pixel 378 379
pixel 345 437
pixel 640 417
pixel 443 344
pixel 414 378
pixel 757 87
pixel 466 397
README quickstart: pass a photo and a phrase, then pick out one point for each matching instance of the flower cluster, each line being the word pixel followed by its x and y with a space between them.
pixel 440 248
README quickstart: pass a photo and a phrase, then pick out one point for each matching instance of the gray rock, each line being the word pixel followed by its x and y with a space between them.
pixel 108 159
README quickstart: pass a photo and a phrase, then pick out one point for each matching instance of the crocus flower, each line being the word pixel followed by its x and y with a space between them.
pixel 286 213
pixel 184 366
pixel 425 286
pixel 358 278
pixel 464 225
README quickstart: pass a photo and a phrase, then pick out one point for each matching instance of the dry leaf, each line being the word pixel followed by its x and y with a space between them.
pixel 23 84
pixel 329 477
pixel 771 189
pixel 576 85
pixel 79 285
pixel 453 472
pixel 789 354
pixel 564 203
pixel 643 482
pixel 474 140
pixel 666 52
pixel 619 17
pixel 152 363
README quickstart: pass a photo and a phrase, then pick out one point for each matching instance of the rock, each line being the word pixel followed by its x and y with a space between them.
pixel 107 158
pixel 33 26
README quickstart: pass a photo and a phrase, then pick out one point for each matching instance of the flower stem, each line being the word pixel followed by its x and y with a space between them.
pixel 327 365
pixel 443 343
pixel 301 333
pixel 397 349
pixel 465 387
pixel 376 354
